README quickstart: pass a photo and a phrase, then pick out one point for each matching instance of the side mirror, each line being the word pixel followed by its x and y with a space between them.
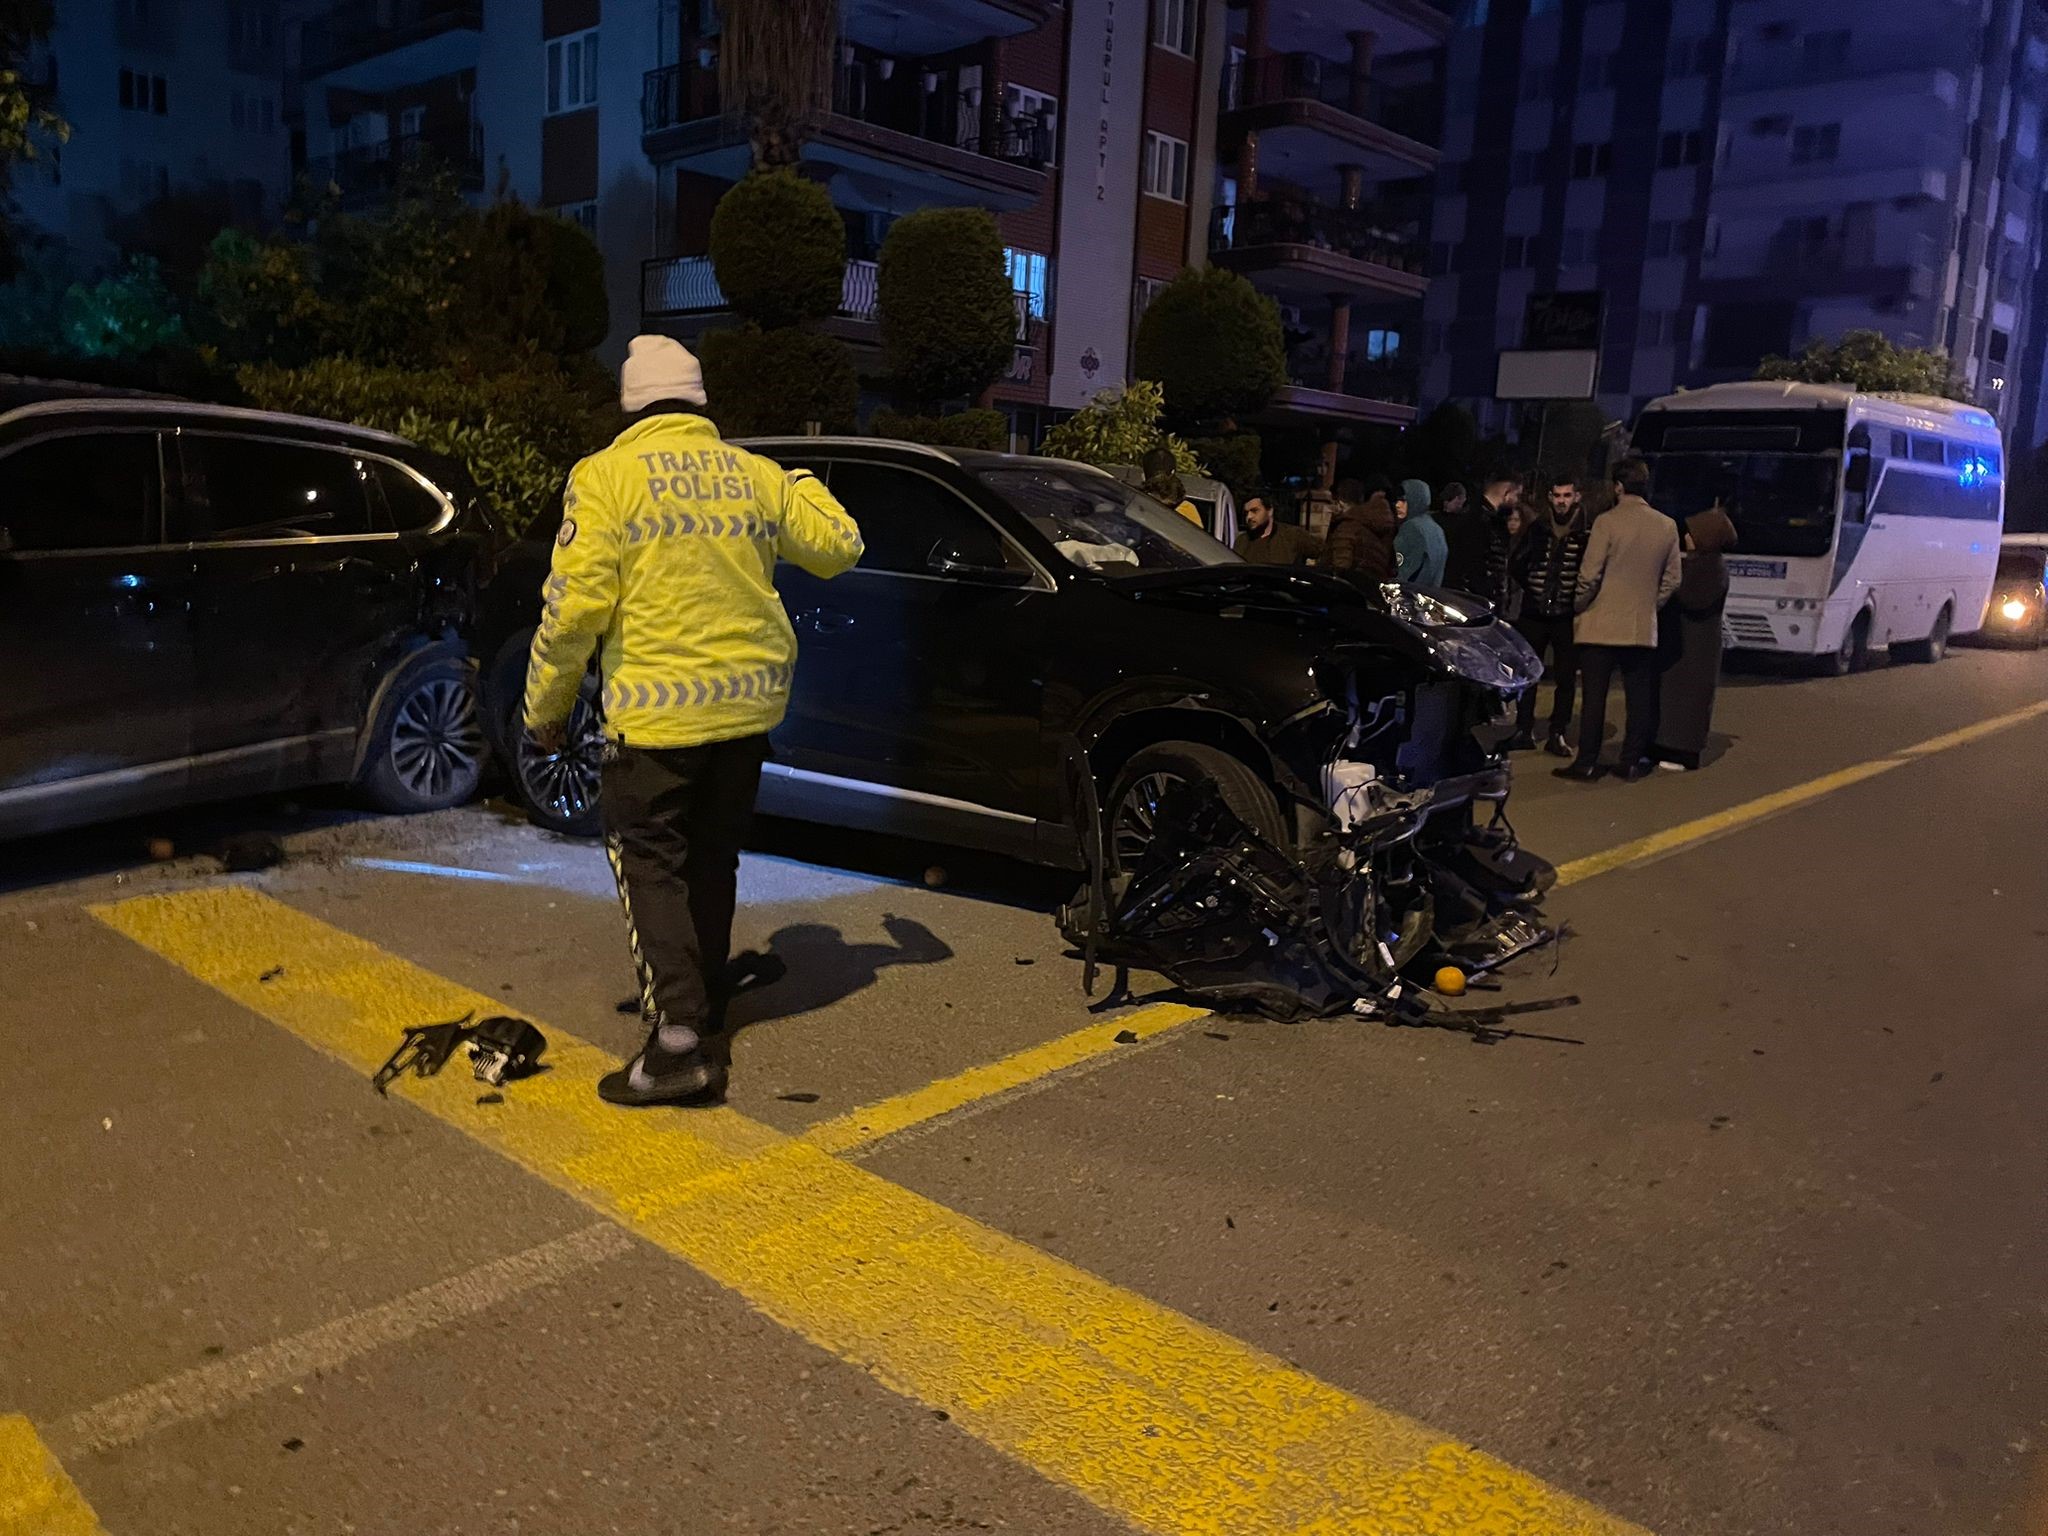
pixel 950 560
pixel 1856 474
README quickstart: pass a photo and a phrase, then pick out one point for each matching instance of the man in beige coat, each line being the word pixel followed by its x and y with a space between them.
pixel 1631 568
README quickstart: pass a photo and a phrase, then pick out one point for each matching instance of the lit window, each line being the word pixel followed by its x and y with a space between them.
pixel 572 72
pixel 1166 167
pixel 1030 274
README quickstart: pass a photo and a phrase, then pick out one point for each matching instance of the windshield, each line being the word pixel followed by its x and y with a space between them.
pixel 1780 503
pixel 1101 524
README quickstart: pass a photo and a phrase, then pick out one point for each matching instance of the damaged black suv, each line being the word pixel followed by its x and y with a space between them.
pixel 1016 620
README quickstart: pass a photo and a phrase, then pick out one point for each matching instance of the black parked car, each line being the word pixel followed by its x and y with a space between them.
pixel 198 602
pixel 1013 611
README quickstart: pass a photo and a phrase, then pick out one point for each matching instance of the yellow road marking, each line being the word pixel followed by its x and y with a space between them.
pixel 1684 835
pixel 980 1084
pixel 37 1497
pixel 1171 1425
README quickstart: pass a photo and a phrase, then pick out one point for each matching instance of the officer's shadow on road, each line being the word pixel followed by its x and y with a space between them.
pixel 812 966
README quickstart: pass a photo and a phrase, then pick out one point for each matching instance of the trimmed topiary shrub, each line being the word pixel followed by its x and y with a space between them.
pixel 1233 459
pixel 776 381
pixel 1213 342
pixel 980 428
pixel 778 247
pixel 1117 426
pixel 516 433
pixel 949 322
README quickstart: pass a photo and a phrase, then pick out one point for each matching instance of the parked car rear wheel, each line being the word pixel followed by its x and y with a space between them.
pixel 427 749
pixel 1135 797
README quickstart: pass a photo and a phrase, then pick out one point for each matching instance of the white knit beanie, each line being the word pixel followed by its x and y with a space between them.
pixel 659 368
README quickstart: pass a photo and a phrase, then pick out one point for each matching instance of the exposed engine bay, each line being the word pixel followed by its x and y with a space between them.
pixel 1402 859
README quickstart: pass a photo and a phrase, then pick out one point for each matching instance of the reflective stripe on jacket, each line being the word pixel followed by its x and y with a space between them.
pixel 665 566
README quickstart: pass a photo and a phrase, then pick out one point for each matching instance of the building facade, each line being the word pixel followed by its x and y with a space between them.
pixel 1736 178
pixel 1091 129
pixel 162 96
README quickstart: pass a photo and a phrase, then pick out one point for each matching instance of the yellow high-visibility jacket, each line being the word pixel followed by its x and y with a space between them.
pixel 666 565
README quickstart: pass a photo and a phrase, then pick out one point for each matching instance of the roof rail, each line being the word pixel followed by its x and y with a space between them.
pixel 175 407
pixel 845 441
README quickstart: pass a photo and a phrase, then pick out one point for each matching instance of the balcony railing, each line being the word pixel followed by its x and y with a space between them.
pixel 688 92
pixel 369 173
pixel 360 29
pixel 1380 378
pixel 1365 234
pixel 1414 111
pixel 1759 69
pixel 686 285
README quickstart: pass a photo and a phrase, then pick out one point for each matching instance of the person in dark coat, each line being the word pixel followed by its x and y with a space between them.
pixel 1360 543
pixel 1544 571
pixel 1693 674
pixel 1477 537
pixel 1268 541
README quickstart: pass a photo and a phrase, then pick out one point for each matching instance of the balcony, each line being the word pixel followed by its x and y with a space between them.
pixel 376 44
pixel 1373 391
pixel 940 26
pixel 1313 115
pixel 368 174
pixel 686 287
pixel 936 149
pixel 1759 69
pixel 1306 249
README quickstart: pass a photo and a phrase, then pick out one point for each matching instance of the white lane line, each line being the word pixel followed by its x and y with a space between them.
pixel 205 1390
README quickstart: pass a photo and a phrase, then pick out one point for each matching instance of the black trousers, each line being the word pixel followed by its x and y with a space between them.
pixel 1637 665
pixel 1551 640
pixel 675 819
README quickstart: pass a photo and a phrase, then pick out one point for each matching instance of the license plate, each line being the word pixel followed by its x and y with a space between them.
pixel 1758 570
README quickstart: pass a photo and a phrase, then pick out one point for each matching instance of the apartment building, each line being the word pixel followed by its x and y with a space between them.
pixel 1735 178
pixel 1325 157
pixel 162 96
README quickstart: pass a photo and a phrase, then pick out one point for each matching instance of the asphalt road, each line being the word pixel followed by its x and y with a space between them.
pixel 1762 1254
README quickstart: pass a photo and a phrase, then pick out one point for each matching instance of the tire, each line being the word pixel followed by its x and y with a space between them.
pixel 427 749
pixel 1935 646
pixel 1134 796
pixel 558 792
pixel 1853 654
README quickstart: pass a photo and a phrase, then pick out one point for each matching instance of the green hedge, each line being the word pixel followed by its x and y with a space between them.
pixel 778 247
pixel 518 434
pixel 980 428
pixel 776 381
pixel 948 319
pixel 1233 459
pixel 1214 343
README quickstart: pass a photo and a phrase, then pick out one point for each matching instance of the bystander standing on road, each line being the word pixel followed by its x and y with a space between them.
pixel 665 567
pixel 1419 548
pixel 1362 534
pixel 1544 564
pixel 1267 540
pixel 1629 571
pixel 1692 664
pixel 1477 542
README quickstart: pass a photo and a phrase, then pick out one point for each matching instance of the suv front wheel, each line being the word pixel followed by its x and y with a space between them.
pixel 426 750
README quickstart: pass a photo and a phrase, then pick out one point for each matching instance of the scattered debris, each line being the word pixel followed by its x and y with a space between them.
pixel 295 1444
pixel 1021 960
pixel 935 876
pixel 1450 981
pixel 272 974
pixel 246 852
pixel 1236 920
pixel 798 1098
pixel 1230 1223
pixel 1126 1037
pixel 1215 1034
pixel 106 1122
pixel 492 1097
pixel 499 1047
pixel 1937 1077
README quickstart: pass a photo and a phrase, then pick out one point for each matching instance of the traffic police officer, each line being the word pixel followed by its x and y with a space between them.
pixel 665 566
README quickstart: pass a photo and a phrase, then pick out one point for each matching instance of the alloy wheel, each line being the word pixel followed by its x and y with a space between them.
pixel 1137 818
pixel 437 739
pixel 564 785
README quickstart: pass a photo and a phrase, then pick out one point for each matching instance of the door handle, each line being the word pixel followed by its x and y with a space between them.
pixel 826 621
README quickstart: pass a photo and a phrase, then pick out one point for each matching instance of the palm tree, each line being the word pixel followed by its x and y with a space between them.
pixel 775 70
